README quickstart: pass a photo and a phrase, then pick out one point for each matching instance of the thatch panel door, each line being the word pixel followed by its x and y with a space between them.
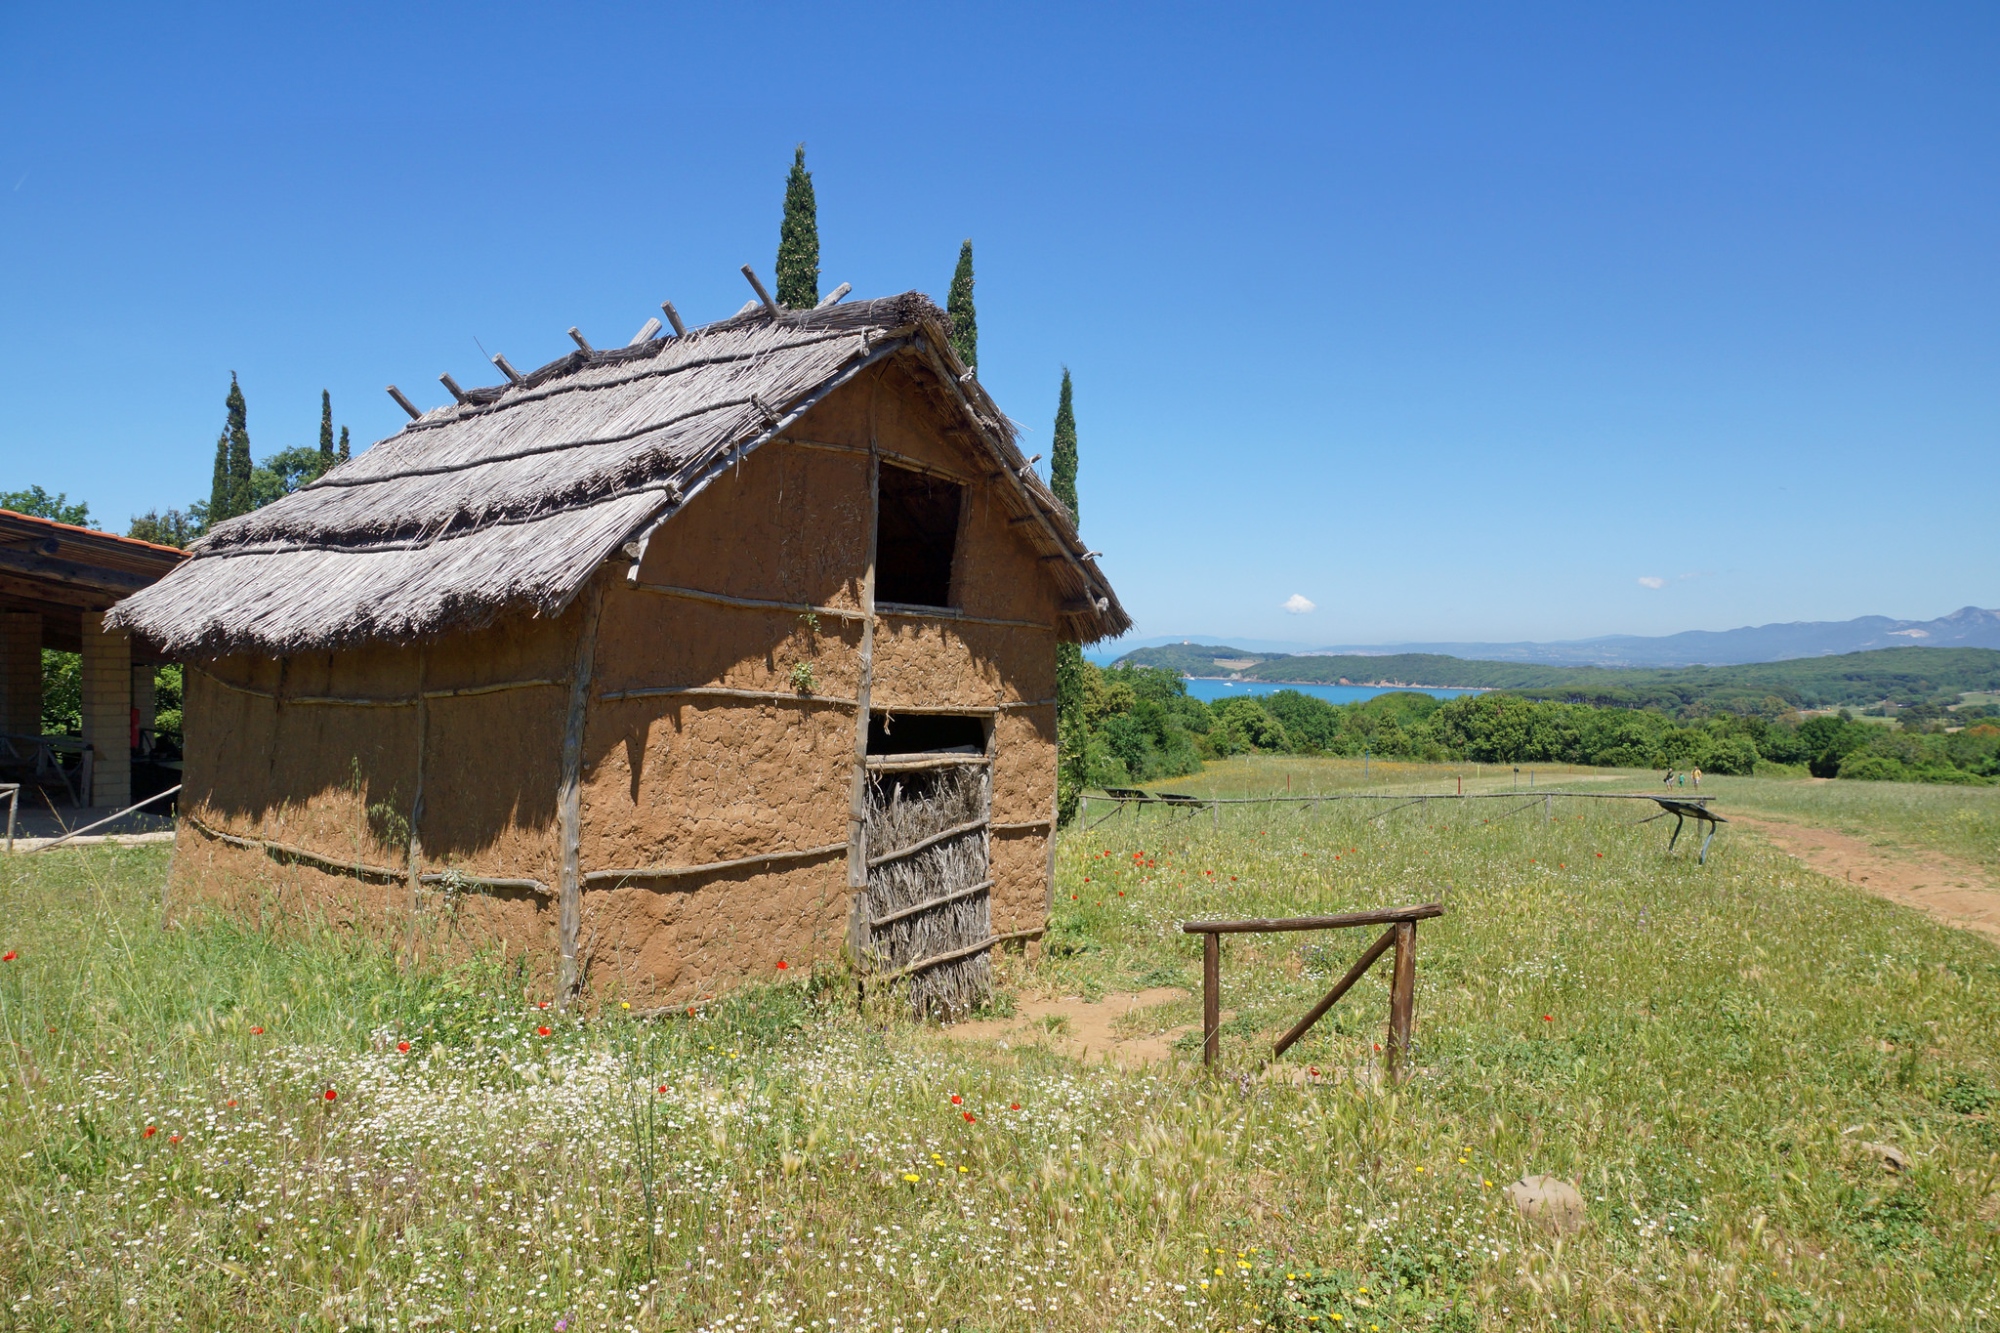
pixel 929 892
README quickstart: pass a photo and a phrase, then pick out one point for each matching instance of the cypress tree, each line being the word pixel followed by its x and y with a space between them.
pixel 964 322
pixel 1062 453
pixel 325 430
pixel 240 466
pixel 1070 737
pixel 343 454
pixel 798 239
pixel 220 493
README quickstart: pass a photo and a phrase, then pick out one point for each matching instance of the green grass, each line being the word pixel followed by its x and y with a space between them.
pixel 1705 1049
pixel 1963 822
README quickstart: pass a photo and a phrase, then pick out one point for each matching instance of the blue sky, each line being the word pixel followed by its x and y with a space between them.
pixel 1455 322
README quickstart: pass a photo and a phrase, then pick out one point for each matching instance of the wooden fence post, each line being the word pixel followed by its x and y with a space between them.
pixel 1402 998
pixel 1211 998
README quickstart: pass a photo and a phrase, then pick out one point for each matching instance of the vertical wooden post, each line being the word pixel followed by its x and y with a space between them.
pixel 1402 998
pixel 1211 998
pixel 414 854
pixel 569 800
pixel 1215 815
pixel 858 933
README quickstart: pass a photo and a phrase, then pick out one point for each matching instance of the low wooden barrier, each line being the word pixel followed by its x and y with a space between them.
pixel 1401 934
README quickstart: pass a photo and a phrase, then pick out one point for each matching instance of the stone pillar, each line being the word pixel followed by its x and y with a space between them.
pixel 144 697
pixel 107 711
pixel 20 673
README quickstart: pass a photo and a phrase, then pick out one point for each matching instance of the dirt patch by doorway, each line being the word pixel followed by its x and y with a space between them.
pixel 1953 891
pixel 1113 1029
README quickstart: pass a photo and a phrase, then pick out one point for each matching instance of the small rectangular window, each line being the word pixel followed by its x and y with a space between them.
pixel 916 534
pixel 925 733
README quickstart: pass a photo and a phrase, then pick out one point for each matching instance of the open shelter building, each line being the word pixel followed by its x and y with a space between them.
pixel 673 663
pixel 57 581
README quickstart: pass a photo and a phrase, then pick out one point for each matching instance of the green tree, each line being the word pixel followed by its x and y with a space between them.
pixel 1062 453
pixel 325 429
pixel 343 454
pixel 233 491
pixel 964 320
pixel 240 466
pixel 41 504
pixel 798 239
pixel 221 493
pixel 1072 735
pixel 172 528
pixel 285 472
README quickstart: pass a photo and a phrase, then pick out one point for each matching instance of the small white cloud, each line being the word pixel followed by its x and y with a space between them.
pixel 1651 581
pixel 1298 605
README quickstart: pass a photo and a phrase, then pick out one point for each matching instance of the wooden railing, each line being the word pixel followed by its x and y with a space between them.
pixel 1401 935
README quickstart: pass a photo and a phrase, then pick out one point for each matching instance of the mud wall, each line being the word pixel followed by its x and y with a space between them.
pixel 674 780
pixel 337 754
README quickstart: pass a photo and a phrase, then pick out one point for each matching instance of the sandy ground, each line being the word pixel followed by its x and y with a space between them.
pixel 1081 1029
pixel 1955 892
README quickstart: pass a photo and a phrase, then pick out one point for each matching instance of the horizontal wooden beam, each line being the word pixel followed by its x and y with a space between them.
pixel 727 692
pixel 957 830
pixel 909 763
pixel 74 573
pixel 956 954
pixel 711 867
pixel 1261 926
pixel 930 904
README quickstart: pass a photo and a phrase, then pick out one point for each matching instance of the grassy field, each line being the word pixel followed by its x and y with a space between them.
pixel 206 1128
pixel 1959 821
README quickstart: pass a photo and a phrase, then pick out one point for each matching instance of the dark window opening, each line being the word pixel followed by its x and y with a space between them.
pixel 916 532
pixel 925 733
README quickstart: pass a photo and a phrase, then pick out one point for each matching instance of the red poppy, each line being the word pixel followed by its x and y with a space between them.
pixel 782 964
pixel 331 1094
pixel 230 1102
pixel 1086 879
pixel 1600 856
pixel 1015 1107
pixel 663 1088
pixel 402 1046
pixel 256 1032
pixel 956 1099
pixel 969 1117
pixel 1378 1046
pixel 541 1032
pixel 1232 879
pixel 1548 1018
pixel 7 957
pixel 173 1138
pixel 149 1131
pixel 1121 893
pixel 690 1011
pixel 542 1005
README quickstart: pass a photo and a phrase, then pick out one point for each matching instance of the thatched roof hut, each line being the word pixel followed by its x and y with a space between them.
pixel 640 647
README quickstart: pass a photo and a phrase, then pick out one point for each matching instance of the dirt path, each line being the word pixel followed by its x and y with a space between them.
pixel 1080 1029
pixel 1955 892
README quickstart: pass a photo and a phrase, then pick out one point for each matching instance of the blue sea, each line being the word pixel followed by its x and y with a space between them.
pixel 1209 690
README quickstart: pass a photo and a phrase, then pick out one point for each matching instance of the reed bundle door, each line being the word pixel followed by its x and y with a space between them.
pixel 929 908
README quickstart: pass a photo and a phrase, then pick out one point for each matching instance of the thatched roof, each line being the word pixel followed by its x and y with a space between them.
pixel 509 501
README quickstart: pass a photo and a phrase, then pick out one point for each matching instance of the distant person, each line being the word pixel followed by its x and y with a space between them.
pixel 1697 779
pixel 1668 780
pixel 1683 779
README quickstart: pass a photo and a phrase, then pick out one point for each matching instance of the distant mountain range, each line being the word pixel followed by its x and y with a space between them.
pixel 1968 627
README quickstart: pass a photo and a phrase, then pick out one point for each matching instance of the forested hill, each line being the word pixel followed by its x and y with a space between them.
pixel 1904 675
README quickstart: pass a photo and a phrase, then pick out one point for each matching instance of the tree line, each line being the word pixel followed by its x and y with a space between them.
pixel 1140 725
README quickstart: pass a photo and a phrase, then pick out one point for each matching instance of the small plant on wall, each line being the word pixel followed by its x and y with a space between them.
pixel 804 674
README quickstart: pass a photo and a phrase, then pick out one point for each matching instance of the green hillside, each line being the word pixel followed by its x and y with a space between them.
pixel 1907 676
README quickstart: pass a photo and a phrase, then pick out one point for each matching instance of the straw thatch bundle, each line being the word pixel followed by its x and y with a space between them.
pixel 511 499
pixel 904 811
